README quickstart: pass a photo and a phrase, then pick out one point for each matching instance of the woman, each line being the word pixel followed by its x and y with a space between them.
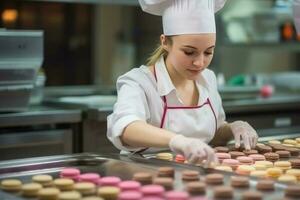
pixel 173 102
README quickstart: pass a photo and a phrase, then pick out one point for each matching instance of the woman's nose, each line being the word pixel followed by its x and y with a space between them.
pixel 199 61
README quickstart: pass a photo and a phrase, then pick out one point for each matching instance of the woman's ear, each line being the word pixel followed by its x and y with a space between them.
pixel 163 42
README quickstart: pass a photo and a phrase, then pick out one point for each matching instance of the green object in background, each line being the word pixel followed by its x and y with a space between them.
pixel 238 80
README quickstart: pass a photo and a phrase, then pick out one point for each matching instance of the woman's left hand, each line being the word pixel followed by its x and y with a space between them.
pixel 242 130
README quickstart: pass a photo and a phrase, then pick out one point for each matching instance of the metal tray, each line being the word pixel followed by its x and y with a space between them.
pixel 108 165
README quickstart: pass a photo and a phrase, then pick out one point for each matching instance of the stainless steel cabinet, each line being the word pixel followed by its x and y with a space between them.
pixel 35 143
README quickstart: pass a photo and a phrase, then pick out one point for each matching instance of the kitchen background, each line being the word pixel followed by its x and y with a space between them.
pixel 89 43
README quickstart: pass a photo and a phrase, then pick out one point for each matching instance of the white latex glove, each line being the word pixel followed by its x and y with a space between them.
pixel 242 130
pixel 193 149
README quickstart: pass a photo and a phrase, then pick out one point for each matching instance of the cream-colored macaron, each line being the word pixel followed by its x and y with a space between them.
pixel 64 184
pixel 48 194
pixel 287 178
pixel 31 189
pixel 70 195
pixel 274 142
pixel 44 179
pixel 164 156
pixel 85 188
pixel 11 185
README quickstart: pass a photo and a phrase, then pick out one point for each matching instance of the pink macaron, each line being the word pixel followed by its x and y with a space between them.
pixel 257 157
pixel 245 160
pixel 130 195
pixel 152 198
pixel 89 177
pixel 109 181
pixel 153 190
pixel 177 195
pixel 72 173
pixel 179 158
pixel 130 185
pixel 221 156
pixel 233 163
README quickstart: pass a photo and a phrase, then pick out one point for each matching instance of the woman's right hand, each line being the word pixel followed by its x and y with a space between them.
pixel 193 149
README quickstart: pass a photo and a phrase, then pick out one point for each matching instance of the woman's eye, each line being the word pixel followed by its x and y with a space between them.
pixel 189 53
pixel 208 53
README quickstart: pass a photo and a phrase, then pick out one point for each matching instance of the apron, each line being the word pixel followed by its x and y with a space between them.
pixel 169 108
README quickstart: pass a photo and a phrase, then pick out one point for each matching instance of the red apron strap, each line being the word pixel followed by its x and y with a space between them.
pixel 213 111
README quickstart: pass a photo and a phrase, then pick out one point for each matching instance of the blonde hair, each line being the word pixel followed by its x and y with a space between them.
pixel 158 52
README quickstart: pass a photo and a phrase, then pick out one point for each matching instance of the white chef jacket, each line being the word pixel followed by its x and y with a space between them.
pixel 140 99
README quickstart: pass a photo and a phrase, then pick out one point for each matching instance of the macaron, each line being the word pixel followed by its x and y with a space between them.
pixel 259 173
pixel 92 198
pixel 109 181
pixel 64 184
pixel 292 191
pixel 294 172
pixel 274 142
pixel 239 181
pixel 166 182
pixel 284 165
pixel 11 185
pixel 48 193
pixel 235 154
pixel 70 195
pixel 249 152
pixel 190 175
pixel 257 157
pixel 271 156
pixel 85 188
pixel 259 166
pixel 144 178
pixel 223 192
pixel 166 172
pixel 72 173
pixel 233 163
pixel 164 156
pixel 295 163
pixel 222 156
pixel 31 189
pixel 290 141
pixel 130 195
pixel 130 185
pixel 267 164
pixel 108 192
pixel 223 168
pixel 177 195
pixel 265 185
pixel 44 179
pixel 214 179
pixel 179 158
pixel 277 147
pixel 196 187
pixel 293 151
pixel 274 172
pixel 244 169
pixel 153 190
pixel 252 195
pixel 263 149
pixel 245 160
pixel 283 154
pixel 287 178
pixel 89 177
pixel 221 149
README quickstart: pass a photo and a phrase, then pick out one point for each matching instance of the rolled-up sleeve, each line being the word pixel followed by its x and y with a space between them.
pixel 131 106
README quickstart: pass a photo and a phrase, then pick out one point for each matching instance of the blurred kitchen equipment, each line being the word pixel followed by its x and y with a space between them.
pixel 21 56
pixel 38 89
pixel 286 81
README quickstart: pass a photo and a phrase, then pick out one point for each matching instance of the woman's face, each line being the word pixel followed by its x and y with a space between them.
pixel 189 55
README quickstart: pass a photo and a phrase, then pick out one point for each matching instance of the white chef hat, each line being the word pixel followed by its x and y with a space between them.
pixel 184 16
